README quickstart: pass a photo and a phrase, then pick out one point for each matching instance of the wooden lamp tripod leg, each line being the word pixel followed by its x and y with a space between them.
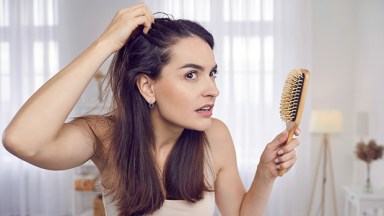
pixel 323 191
pixel 325 154
pixel 332 180
pixel 321 152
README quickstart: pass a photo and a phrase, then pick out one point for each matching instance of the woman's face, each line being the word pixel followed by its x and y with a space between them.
pixel 186 90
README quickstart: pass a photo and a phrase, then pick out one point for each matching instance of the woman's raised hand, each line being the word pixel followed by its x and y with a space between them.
pixel 124 23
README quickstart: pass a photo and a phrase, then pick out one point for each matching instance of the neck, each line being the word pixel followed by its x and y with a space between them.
pixel 165 133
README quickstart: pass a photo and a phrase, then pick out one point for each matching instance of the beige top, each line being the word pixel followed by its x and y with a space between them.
pixel 204 207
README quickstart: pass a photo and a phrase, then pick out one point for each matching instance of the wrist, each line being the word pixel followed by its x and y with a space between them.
pixel 102 47
pixel 264 174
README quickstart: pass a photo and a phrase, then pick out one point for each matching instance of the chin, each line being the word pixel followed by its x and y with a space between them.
pixel 202 125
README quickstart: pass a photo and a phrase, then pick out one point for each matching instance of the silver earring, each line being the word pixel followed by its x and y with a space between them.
pixel 151 105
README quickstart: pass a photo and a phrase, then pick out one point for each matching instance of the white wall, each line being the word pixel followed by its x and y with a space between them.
pixel 80 23
pixel 348 42
pixel 78 26
pixel 369 78
pixel 333 30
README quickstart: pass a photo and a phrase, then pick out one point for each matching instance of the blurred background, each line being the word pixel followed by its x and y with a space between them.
pixel 257 43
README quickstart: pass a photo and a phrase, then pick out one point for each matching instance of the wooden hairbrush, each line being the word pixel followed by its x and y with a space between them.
pixel 292 102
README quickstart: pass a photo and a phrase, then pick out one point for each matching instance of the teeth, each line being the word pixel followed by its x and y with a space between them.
pixel 204 109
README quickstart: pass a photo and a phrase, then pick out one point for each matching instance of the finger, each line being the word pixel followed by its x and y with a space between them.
pixel 134 7
pixel 134 11
pixel 140 11
pixel 147 25
pixel 286 157
pixel 143 12
pixel 297 131
pixel 150 14
pixel 278 140
pixel 287 164
pixel 289 146
pixel 129 10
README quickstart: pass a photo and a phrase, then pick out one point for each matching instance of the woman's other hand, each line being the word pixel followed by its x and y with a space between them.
pixel 124 23
pixel 278 155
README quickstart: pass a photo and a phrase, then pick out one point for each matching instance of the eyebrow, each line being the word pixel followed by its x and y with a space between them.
pixel 195 66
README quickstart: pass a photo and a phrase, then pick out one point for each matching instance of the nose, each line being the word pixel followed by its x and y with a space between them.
pixel 211 89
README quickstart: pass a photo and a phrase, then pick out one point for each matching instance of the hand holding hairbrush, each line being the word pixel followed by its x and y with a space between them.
pixel 292 102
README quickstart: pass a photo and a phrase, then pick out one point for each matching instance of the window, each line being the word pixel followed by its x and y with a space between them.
pixel 4 72
pixel 4 13
pixel 28 47
pixel 28 51
pixel 248 49
pixel 244 30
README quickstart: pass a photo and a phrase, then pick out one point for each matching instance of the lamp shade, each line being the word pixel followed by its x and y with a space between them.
pixel 326 121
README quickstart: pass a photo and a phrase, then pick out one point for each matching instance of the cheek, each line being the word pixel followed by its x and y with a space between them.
pixel 174 98
pixel 176 104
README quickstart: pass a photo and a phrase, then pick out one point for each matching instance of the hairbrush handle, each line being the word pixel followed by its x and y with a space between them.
pixel 291 128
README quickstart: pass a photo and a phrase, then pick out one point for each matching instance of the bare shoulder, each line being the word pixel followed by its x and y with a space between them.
pixel 221 143
pixel 217 132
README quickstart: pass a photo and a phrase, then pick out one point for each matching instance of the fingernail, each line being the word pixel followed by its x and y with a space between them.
pixel 278 166
pixel 280 152
pixel 277 160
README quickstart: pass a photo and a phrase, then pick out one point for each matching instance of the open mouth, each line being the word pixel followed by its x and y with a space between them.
pixel 205 108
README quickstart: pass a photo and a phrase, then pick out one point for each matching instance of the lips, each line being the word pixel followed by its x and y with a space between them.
pixel 205 108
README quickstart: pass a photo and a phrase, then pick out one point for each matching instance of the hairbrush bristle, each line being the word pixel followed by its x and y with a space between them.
pixel 291 95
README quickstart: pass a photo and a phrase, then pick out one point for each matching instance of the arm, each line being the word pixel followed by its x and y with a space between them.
pixel 37 133
pixel 256 199
pixel 231 197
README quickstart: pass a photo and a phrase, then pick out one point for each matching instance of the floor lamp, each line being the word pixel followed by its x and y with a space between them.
pixel 325 122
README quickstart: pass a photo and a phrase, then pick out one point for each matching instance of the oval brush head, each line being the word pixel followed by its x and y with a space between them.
pixel 292 94
pixel 292 101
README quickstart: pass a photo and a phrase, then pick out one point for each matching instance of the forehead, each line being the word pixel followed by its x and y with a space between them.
pixel 192 50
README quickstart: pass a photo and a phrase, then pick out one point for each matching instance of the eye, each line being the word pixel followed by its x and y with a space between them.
pixel 213 73
pixel 191 75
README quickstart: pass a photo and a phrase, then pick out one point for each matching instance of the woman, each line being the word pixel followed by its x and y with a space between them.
pixel 158 150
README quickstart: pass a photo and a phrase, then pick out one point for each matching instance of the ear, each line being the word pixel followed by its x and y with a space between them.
pixel 145 86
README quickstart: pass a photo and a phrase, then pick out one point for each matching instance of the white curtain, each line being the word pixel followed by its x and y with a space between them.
pixel 28 57
pixel 257 43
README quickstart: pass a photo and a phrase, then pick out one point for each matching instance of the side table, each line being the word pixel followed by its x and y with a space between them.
pixel 359 202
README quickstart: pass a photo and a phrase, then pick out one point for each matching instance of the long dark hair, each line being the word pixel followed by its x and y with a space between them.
pixel 139 185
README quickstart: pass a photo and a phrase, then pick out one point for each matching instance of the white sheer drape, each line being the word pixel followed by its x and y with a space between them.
pixel 28 56
pixel 257 43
